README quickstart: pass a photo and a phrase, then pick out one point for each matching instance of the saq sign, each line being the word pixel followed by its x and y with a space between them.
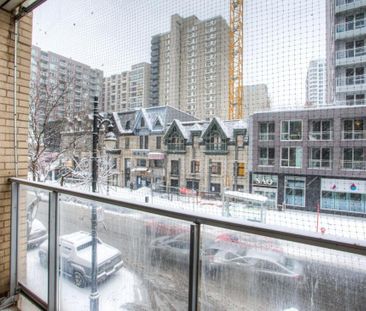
pixel 265 180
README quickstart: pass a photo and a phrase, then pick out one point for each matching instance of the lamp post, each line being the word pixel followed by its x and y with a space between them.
pixel 109 141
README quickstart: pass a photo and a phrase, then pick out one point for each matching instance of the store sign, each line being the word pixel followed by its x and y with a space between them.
pixel 265 180
pixel 140 152
pixel 343 185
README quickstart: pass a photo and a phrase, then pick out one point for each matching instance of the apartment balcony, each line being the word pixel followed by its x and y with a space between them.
pixel 176 148
pixel 354 135
pixel 351 102
pixel 343 6
pixel 323 135
pixel 153 258
pixel 266 136
pixel 320 164
pixel 219 148
pixel 353 165
pixel 351 84
pixel 351 56
pixel 351 29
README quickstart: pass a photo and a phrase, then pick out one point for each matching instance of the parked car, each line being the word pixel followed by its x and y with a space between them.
pixel 76 254
pixel 173 249
pixel 163 227
pixel 263 265
pixel 37 234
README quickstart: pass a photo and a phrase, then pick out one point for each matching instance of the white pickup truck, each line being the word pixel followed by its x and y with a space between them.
pixel 76 256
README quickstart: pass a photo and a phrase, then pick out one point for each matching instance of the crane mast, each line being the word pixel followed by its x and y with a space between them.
pixel 236 60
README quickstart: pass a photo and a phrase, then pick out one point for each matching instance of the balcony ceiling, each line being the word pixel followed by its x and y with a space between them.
pixel 27 5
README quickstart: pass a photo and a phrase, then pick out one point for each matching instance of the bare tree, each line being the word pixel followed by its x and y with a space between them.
pixel 52 111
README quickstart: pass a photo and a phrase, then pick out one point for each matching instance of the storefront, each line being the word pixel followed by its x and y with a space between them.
pixel 343 195
pixel 266 185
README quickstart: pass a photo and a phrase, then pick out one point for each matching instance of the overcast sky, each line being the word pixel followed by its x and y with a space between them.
pixel 280 36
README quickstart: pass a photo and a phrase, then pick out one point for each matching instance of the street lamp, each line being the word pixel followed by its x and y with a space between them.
pixel 110 142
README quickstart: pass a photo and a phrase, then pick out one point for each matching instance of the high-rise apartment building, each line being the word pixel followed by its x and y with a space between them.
pixel 72 83
pixel 316 84
pixel 346 52
pixel 189 66
pixel 256 99
pixel 128 90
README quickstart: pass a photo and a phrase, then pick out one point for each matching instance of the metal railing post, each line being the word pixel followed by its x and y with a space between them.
pixel 14 238
pixel 194 267
pixel 53 262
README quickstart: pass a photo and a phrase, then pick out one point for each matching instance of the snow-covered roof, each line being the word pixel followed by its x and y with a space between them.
pixel 255 198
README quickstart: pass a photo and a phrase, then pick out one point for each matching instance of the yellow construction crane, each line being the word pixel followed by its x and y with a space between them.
pixel 236 60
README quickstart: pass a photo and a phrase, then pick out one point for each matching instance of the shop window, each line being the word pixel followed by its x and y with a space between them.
pixel 295 191
pixel 342 201
pixel 291 130
pixel 291 157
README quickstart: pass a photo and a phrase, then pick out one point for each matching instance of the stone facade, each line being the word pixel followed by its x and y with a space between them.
pixel 13 158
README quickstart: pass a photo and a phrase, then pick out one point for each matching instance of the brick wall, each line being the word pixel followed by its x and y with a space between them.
pixel 7 159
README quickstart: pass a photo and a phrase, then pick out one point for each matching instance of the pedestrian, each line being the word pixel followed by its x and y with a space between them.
pixel 131 185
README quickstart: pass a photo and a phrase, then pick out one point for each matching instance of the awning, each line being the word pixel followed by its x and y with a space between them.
pixel 156 156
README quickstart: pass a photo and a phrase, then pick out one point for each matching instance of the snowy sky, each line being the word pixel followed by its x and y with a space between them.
pixel 280 36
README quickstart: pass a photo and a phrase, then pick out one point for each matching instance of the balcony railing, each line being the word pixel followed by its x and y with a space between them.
pixel 172 147
pixel 266 136
pixel 349 26
pixel 354 165
pixel 216 148
pixel 351 53
pixel 188 260
pixel 323 135
pixel 351 102
pixel 350 135
pixel 287 136
pixel 323 164
pixel 266 162
pixel 351 80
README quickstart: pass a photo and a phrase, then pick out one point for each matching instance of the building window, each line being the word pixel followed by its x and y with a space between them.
pixel 175 142
pixel 156 163
pixel 321 130
pixel 142 123
pixel 343 201
pixel 291 157
pixel 215 143
pixel 266 156
pixel 295 191
pixel 158 142
pixel 195 167
pixel 216 168
pixel 144 142
pixel 266 131
pixel 354 159
pixel 354 129
pixel 174 165
pixel 240 169
pixel 127 143
pixel 141 162
pixel 320 158
pixel 291 130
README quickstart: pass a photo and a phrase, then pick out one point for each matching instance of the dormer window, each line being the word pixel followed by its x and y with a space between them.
pixel 175 142
pixel 142 123
pixel 214 142
pixel 128 125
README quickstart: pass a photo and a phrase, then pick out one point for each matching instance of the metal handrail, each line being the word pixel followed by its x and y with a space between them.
pixel 272 231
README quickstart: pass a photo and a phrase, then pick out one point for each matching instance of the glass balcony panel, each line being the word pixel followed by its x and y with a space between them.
pixel 263 273
pixel 33 240
pixel 143 260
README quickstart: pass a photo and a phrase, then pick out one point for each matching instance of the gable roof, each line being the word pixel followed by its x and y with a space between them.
pixel 179 126
pixel 221 126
